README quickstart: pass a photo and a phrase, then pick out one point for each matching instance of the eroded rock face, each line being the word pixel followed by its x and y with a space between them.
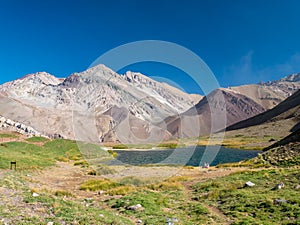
pixel 101 105
pixel 93 105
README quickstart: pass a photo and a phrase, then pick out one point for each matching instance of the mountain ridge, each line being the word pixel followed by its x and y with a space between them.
pixel 148 111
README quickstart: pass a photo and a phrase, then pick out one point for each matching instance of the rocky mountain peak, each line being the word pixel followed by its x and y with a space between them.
pixel 287 80
pixel 42 77
pixel 134 77
pixel 291 78
pixel 72 81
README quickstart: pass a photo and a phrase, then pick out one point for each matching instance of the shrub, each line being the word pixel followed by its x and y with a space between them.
pixel 113 153
pixel 120 146
pixel 121 190
pixel 62 193
pixel 96 185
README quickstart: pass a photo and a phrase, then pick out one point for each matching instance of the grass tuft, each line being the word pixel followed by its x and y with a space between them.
pixel 97 185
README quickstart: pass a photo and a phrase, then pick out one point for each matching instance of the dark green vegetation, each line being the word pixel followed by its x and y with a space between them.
pixel 37 139
pixel 254 205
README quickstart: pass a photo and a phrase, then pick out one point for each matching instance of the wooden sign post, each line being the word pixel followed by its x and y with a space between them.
pixel 13 164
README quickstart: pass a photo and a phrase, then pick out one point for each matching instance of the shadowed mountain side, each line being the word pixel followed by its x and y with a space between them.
pixel 295 127
pixel 293 137
pixel 289 108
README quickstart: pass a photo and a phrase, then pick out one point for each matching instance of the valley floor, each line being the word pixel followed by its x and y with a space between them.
pixel 63 181
pixel 53 184
pixel 192 196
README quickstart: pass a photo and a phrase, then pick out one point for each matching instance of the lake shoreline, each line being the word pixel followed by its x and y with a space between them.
pixel 165 148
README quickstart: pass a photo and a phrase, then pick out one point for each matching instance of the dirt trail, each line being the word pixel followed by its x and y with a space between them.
pixel 67 177
pixel 62 177
pixel 203 175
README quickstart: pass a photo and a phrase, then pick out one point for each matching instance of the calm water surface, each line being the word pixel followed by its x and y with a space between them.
pixel 192 156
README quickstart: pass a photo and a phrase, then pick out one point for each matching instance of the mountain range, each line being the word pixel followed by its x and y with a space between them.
pixel 99 105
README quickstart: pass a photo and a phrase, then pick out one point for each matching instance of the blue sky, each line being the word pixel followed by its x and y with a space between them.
pixel 241 41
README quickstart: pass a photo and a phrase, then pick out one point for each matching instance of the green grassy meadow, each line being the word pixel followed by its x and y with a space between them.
pixel 190 199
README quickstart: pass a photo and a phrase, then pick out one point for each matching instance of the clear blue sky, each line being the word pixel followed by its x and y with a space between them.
pixel 242 41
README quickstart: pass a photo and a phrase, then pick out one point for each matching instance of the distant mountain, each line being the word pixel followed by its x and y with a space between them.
pixel 271 93
pixel 225 105
pixel 101 105
pixel 240 102
pixel 97 104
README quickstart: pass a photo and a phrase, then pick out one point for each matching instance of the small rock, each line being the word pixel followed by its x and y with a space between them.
pixel 249 184
pixel 100 192
pixel 171 221
pixel 135 207
pixel 139 221
pixel 175 220
pixel 50 223
pixel 278 186
pixel 297 187
pixel 101 215
pixel 35 194
pixel 90 200
pixel 278 201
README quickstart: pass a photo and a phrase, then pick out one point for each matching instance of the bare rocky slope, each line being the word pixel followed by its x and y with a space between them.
pixel 12 126
pixel 227 106
pixel 95 105
pixel 289 109
pixel 100 105
pixel 271 93
pixel 219 109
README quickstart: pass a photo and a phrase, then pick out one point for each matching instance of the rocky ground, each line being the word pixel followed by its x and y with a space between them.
pixel 287 155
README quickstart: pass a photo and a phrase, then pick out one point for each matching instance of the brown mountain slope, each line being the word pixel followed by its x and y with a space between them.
pixel 271 93
pixel 262 94
pixel 219 109
pixel 101 105
pixel 289 108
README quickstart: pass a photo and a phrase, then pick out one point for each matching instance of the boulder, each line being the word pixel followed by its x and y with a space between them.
pixel 35 194
pixel 136 207
pixel 249 184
